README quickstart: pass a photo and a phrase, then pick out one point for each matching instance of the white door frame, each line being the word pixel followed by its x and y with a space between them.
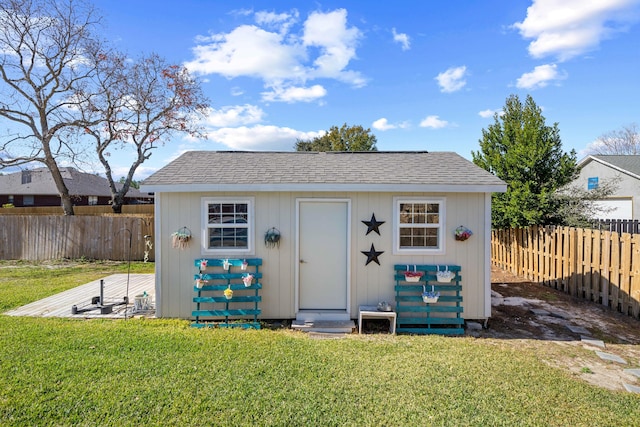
pixel 299 201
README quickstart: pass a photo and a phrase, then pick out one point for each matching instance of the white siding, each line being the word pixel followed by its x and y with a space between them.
pixel 369 284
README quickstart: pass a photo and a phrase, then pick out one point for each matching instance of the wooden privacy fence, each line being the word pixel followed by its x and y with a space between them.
pixel 600 266
pixel 44 237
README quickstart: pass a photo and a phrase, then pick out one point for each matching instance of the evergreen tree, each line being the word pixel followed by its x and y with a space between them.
pixel 527 154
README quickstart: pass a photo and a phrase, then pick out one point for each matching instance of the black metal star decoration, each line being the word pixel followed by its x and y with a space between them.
pixel 373 224
pixel 372 255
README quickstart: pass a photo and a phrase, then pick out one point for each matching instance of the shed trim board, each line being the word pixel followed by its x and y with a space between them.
pixel 325 187
pixel 487 254
pixel 157 226
pixel 341 273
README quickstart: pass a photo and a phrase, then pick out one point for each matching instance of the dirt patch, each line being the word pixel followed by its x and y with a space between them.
pixel 555 324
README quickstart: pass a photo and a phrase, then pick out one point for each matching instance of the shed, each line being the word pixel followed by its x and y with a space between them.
pixel 345 220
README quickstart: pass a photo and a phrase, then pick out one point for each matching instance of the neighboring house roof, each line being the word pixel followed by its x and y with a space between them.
pixel 41 183
pixel 628 164
pixel 322 171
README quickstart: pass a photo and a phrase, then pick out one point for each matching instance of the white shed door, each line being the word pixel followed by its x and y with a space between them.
pixel 323 251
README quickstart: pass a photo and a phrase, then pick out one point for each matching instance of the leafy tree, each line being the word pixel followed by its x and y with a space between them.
pixel 345 138
pixel 42 70
pixel 523 151
pixel 136 106
pixel 625 141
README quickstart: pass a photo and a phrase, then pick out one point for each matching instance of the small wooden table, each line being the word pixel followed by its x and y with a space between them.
pixel 372 312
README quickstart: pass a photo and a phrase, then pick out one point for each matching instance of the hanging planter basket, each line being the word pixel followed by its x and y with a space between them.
pixel 430 297
pixel 228 293
pixel 272 238
pixel 445 276
pixel 180 239
pixel 200 283
pixel 462 233
pixel 413 276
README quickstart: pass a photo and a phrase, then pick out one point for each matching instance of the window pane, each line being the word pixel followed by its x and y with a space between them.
pixel 228 238
pixel 432 242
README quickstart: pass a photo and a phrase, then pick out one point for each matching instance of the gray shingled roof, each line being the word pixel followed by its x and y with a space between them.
pixel 376 167
pixel 78 183
pixel 629 163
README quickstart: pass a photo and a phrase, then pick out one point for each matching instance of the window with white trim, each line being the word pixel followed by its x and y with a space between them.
pixel 93 200
pixel 418 225
pixel 227 226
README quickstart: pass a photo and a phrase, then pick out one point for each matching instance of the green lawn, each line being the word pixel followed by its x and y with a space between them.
pixel 162 372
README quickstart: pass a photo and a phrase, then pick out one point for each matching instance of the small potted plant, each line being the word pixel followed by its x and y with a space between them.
pixel 226 264
pixel 203 264
pixel 248 280
pixel 228 293
pixel 200 282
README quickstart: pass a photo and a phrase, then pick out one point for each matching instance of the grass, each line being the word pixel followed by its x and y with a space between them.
pixel 162 372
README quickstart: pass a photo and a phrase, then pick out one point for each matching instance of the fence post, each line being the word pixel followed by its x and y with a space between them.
pixel 634 293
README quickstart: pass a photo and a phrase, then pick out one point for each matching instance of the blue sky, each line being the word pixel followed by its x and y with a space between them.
pixel 423 75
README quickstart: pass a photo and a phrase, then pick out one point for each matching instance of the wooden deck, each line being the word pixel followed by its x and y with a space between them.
pixel 115 288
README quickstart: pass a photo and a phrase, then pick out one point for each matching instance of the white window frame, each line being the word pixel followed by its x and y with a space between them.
pixel 441 226
pixel 92 200
pixel 250 250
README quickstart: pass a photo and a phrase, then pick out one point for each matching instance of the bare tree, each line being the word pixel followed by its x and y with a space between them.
pixel 136 106
pixel 43 70
pixel 625 141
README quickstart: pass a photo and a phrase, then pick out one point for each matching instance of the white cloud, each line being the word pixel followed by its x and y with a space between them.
pixel 433 122
pixel 452 79
pixel 401 38
pixel 281 55
pixel 248 51
pixel 485 114
pixel 540 77
pixel 295 94
pixel 567 28
pixel 234 116
pixel 260 137
pixel 337 43
pixel 383 124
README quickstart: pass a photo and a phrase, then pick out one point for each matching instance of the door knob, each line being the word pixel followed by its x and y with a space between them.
pixel 302 261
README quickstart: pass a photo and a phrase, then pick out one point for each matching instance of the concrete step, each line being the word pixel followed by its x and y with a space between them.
pixel 325 326
pixel 322 315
